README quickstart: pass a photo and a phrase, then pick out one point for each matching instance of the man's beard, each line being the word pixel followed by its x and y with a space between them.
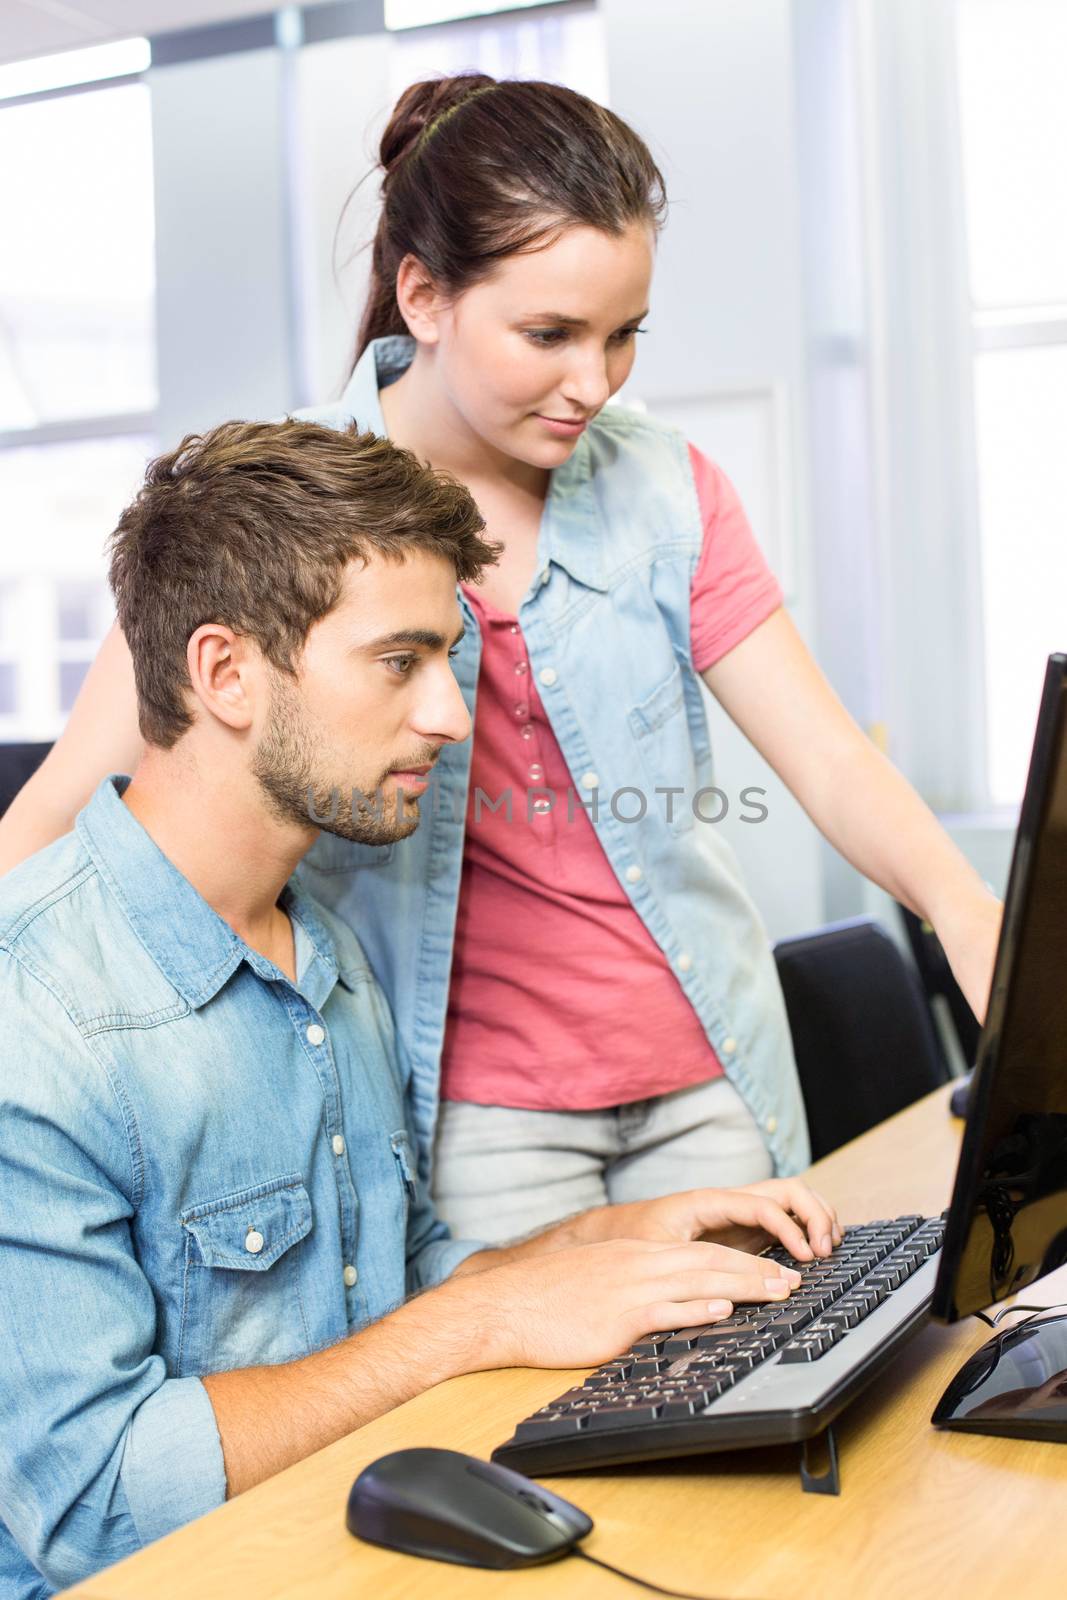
pixel 284 766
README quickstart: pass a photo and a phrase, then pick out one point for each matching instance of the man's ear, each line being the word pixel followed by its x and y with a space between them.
pixel 419 299
pixel 225 672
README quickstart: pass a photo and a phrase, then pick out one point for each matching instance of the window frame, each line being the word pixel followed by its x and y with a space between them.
pixel 41 591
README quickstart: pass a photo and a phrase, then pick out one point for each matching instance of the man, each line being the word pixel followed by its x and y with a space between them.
pixel 211 1215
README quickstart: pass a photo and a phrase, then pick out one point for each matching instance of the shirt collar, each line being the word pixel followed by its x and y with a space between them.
pixel 189 942
pixel 571 534
pixel 382 362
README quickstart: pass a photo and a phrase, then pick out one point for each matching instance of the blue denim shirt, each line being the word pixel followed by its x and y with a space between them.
pixel 194 1151
pixel 606 624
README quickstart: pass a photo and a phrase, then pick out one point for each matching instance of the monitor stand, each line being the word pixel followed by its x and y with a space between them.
pixel 1015 1384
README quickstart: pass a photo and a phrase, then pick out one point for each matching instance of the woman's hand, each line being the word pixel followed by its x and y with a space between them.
pixel 969 933
pixel 782 1208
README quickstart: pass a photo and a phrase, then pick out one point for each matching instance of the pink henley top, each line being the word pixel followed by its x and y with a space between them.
pixel 560 997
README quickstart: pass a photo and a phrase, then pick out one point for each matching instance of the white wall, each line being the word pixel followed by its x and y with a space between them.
pixel 711 89
pixel 221 241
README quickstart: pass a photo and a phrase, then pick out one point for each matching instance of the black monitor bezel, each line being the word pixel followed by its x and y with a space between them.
pixel 1047 749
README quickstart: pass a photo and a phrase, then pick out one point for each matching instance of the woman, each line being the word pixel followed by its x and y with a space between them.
pixel 612 1027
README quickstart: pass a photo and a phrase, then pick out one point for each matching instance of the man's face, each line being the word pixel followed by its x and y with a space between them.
pixel 348 745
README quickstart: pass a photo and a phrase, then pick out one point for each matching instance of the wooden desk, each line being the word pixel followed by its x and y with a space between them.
pixel 921 1513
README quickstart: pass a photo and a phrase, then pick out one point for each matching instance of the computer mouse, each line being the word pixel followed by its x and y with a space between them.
pixel 452 1507
pixel 1014 1384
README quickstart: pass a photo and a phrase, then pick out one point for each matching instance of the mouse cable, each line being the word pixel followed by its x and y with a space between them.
pixel 644 1583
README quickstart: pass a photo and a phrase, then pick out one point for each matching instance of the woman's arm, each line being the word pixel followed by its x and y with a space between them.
pixel 772 688
pixel 101 736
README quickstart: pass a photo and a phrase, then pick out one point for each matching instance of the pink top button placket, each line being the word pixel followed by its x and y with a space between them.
pixel 535 771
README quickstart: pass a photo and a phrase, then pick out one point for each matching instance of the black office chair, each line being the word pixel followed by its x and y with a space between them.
pixel 18 763
pixel 938 982
pixel 863 1036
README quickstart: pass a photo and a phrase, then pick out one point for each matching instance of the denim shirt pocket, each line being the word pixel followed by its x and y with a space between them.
pixel 241 1295
pixel 661 733
pixel 405 1167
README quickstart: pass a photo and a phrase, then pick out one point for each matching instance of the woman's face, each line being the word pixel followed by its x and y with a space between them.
pixel 529 355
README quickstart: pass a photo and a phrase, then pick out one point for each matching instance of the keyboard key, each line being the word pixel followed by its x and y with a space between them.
pixel 649 1367
pixel 652 1345
pixel 622 1416
pixel 798 1350
pixel 789 1320
pixel 702 1394
pixel 554 1427
pixel 847 1316
pixel 679 1410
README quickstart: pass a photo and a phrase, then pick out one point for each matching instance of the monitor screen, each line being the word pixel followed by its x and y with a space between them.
pixel 1007 1224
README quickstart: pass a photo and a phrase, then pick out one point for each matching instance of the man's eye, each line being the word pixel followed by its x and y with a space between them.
pixel 453 652
pixel 400 665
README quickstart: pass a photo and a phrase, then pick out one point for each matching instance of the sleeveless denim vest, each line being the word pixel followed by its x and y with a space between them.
pixel 606 624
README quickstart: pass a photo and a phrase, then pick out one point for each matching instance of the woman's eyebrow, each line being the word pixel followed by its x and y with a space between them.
pixel 577 322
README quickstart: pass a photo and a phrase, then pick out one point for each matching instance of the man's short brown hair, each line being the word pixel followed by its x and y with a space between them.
pixel 251 525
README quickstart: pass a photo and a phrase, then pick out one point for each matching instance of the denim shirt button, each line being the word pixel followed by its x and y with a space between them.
pixel 729 1046
pixel 589 780
pixel 685 961
pixel 315 1034
pixel 771 1124
pixel 338 1144
pixel 634 874
pixel 547 676
pixel 254 1241
pixel 351 1277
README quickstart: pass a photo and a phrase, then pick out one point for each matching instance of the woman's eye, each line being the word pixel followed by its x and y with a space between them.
pixel 400 665
pixel 453 653
pixel 624 335
pixel 546 336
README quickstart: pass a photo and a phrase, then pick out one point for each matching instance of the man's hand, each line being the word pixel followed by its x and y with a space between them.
pixel 579 1306
pixel 782 1209
pixel 546 1303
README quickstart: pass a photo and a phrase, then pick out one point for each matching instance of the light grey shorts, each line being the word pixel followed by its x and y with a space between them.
pixel 500 1172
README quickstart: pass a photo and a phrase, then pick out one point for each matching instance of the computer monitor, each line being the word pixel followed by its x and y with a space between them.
pixel 1007 1224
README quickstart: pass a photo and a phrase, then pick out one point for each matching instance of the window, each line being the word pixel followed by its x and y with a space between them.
pixel 77 379
pixel 60 502
pixel 1014 127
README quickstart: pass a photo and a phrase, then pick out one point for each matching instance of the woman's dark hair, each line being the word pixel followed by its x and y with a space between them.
pixel 476 170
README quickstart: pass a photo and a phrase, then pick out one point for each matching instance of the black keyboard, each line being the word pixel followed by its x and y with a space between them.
pixel 767 1374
